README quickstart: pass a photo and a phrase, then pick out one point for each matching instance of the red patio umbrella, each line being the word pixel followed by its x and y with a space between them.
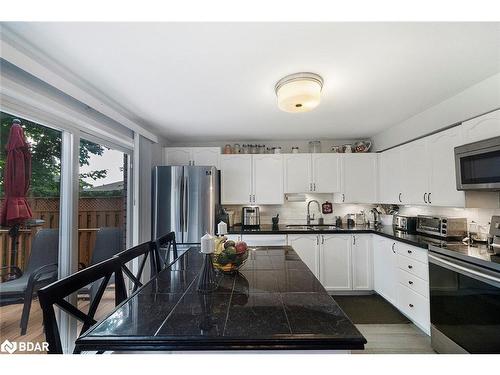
pixel 17 177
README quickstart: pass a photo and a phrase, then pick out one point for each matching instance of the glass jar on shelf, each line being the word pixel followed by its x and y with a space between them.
pixel 237 148
pixel 314 147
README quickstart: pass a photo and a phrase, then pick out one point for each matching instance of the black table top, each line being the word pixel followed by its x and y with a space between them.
pixel 274 302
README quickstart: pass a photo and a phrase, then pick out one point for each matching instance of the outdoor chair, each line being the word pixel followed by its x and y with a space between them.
pixel 55 294
pixel 165 248
pixel 108 243
pixel 41 270
pixel 147 251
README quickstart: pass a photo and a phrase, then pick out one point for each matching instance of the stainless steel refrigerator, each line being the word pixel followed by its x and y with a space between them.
pixel 185 199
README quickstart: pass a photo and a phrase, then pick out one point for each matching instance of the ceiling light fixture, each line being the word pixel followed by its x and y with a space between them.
pixel 299 92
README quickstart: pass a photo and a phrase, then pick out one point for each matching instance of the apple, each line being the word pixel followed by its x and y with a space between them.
pixel 229 243
pixel 241 247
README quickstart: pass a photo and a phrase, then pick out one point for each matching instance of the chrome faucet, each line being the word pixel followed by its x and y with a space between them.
pixel 309 218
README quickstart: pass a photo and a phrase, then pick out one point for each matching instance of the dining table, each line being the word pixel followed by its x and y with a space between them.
pixel 273 303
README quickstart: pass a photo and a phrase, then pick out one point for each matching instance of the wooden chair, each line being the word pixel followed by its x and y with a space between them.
pixel 164 245
pixel 55 294
pixel 146 250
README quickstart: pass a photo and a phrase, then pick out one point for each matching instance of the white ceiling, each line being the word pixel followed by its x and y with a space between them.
pixel 215 81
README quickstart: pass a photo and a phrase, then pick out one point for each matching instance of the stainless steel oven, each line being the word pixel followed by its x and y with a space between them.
pixel 477 165
pixel 464 300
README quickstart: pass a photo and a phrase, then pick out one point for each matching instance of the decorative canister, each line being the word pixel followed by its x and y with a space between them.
pixel 277 150
pixel 337 149
pixel 327 208
pixel 295 150
pixel 314 147
pixel 347 148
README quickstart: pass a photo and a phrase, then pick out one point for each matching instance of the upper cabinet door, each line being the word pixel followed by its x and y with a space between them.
pixel 268 179
pixel 326 173
pixel 177 156
pixel 236 179
pixel 390 177
pixel 443 186
pixel 359 176
pixel 482 127
pixel 207 156
pixel 415 172
pixel 298 177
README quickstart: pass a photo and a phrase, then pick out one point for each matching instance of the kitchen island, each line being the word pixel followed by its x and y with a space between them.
pixel 273 303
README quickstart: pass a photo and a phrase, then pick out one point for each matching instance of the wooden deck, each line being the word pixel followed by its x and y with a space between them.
pixel 10 317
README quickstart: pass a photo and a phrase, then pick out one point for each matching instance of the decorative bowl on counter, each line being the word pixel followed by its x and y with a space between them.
pixel 229 255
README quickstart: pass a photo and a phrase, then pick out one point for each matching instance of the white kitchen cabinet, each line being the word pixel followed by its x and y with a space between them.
pixel 318 173
pixel 362 262
pixel 268 179
pixel 442 178
pixel 415 172
pixel 307 247
pixel 298 173
pixel 335 262
pixel 385 268
pixel 236 179
pixel 358 178
pixel 414 306
pixel 206 156
pixel 325 173
pixel 390 177
pixel 177 156
pixel 422 172
pixel 482 127
pixel 251 179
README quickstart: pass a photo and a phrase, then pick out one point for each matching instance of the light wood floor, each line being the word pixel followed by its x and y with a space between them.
pixel 394 339
pixel 10 317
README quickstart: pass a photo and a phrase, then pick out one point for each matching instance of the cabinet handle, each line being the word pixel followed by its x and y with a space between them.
pixel 314 186
pixel 311 186
pixel 399 197
pixel 411 305
pixel 317 240
pixel 409 251
pixel 354 240
pixel 343 197
pixel 250 198
pixel 429 198
pixel 410 266
pixel 322 239
pixel 425 197
pixel 410 282
pixel 393 244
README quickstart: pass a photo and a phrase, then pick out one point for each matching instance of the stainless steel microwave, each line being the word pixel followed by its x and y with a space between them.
pixel 477 165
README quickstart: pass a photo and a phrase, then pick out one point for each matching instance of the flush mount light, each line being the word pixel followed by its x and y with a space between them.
pixel 299 92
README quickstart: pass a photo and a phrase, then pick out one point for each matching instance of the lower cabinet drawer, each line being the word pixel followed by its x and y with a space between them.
pixel 414 267
pixel 414 283
pixel 415 306
pixel 264 239
pixel 412 252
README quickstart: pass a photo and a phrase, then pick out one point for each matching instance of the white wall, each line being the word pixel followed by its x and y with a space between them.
pixel 478 99
pixel 150 154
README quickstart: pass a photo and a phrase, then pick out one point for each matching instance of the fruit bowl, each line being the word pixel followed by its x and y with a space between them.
pixel 229 255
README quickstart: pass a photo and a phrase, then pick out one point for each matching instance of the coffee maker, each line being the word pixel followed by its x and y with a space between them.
pixel 250 218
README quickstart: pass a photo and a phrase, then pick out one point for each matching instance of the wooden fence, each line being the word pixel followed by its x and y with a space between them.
pixel 93 214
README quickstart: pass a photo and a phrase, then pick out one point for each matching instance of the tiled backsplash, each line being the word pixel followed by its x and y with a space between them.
pixel 295 212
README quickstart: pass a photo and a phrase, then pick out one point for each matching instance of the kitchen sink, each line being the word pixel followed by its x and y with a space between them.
pixel 311 227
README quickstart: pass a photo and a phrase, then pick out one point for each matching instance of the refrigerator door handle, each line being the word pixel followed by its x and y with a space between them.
pixel 181 208
pixel 186 206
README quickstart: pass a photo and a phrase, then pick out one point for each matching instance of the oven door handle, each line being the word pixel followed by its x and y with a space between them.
pixel 464 270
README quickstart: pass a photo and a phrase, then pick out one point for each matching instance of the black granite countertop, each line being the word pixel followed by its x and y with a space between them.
pixel 274 302
pixel 386 231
